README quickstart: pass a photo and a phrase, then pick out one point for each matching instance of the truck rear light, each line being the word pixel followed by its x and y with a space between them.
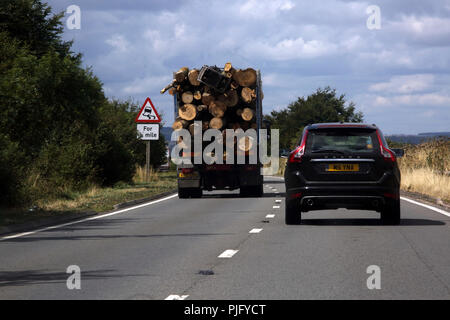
pixel 297 154
pixel 187 170
pixel 387 154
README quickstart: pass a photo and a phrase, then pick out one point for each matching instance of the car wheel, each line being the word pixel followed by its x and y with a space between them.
pixel 390 215
pixel 293 215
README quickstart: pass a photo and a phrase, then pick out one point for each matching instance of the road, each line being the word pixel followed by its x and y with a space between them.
pixel 172 247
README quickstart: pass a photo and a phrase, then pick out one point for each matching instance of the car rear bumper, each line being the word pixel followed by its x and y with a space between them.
pixel 362 197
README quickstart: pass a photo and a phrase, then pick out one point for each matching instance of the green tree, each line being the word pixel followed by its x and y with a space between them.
pixel 30 22
pixel 324 105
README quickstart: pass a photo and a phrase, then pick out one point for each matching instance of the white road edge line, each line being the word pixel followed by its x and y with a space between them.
pixel 255 230
pixel 176 297
pixel 445 213
pixel 270 216
pixel 86 219
pixel 228 253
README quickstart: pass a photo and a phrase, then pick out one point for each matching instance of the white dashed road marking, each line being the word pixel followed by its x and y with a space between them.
pixel 228 253
pixel 176 297
pixel 255 230
pixel 276 207
pixel 277 201
pixel 270 216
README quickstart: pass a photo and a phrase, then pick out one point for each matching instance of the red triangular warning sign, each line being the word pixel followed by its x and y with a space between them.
pixel 148 113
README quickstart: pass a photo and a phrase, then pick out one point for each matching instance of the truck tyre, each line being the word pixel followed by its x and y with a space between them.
pixel 183 193
pixel 293 215
pixel 196 193
pixel 390 215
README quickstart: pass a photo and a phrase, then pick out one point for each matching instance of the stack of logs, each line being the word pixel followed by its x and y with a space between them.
pixel 235 108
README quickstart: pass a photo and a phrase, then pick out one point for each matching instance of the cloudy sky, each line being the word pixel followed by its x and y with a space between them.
pixel 398 75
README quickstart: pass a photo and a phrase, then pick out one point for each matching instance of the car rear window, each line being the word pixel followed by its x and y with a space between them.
pixel 343 140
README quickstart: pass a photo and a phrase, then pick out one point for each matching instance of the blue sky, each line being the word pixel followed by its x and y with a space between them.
pixel 398 75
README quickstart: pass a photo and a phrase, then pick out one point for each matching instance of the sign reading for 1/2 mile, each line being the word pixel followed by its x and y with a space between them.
pixel 148 131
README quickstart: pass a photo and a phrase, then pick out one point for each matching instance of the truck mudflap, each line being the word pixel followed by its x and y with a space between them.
pixel 188 183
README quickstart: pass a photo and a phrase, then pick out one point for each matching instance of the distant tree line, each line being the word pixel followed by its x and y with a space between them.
pixel 57 128
pixel 324 105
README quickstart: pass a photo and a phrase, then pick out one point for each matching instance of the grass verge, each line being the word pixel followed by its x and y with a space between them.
pixel 95 198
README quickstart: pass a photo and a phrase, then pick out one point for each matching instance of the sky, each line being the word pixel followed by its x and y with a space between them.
pixel 395 65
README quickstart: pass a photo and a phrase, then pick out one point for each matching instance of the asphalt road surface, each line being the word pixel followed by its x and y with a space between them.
pixel 171 248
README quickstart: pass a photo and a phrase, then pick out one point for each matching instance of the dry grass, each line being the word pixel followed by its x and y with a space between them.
pixel 100 199
pixel 425 169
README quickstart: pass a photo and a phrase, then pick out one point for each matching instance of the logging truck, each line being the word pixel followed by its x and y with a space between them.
pixel 221 99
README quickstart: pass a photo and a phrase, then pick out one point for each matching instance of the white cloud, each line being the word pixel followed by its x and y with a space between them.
pixel 288 49
pixel 264 8
pixel 118 42
pixel 427 99
pixel 404 84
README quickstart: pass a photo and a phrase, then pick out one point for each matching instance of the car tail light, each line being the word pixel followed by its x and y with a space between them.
pixel 297 154
pixel 387 154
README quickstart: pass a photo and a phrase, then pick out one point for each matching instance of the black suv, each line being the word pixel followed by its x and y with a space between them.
pixel 343 165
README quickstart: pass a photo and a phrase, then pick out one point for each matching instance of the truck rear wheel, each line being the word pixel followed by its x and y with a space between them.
pixel 184 193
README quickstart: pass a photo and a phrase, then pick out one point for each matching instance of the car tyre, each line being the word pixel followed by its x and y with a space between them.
pixel 293 215
pixel 390 215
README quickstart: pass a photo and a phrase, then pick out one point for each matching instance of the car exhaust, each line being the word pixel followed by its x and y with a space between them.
pixel 310 202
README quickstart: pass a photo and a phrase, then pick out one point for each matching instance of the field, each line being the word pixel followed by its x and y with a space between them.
pixel 425 169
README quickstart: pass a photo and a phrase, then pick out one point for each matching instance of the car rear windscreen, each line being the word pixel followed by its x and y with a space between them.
pixel 344 140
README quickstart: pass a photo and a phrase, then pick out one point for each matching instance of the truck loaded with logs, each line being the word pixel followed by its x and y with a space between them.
pixel 219 98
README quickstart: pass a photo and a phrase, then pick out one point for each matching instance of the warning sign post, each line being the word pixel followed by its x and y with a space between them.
pixel 148 121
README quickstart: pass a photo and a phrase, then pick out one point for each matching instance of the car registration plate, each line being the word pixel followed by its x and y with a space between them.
pixel 343 167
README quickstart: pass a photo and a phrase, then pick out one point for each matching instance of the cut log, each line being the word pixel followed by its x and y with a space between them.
pixel 217 109
pixel 187 112
pixel 172 91
pixel 227 67
pixel 245 143
pixel 247 114
pixel 179 124
pixel 247 94
pixel 205 125
pixel 169 86
pixel 216 123
pixel 197 95
pixel 192 76
pixel 232 98
pixel 201 108
pixel 181 74
pixel 192 127
pixel 187 97
pixel 234 85
pixel 245 78
pixel 207 98
pixel 239 112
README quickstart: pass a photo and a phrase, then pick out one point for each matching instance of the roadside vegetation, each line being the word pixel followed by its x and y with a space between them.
pixel 63 144
pixel 426 169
